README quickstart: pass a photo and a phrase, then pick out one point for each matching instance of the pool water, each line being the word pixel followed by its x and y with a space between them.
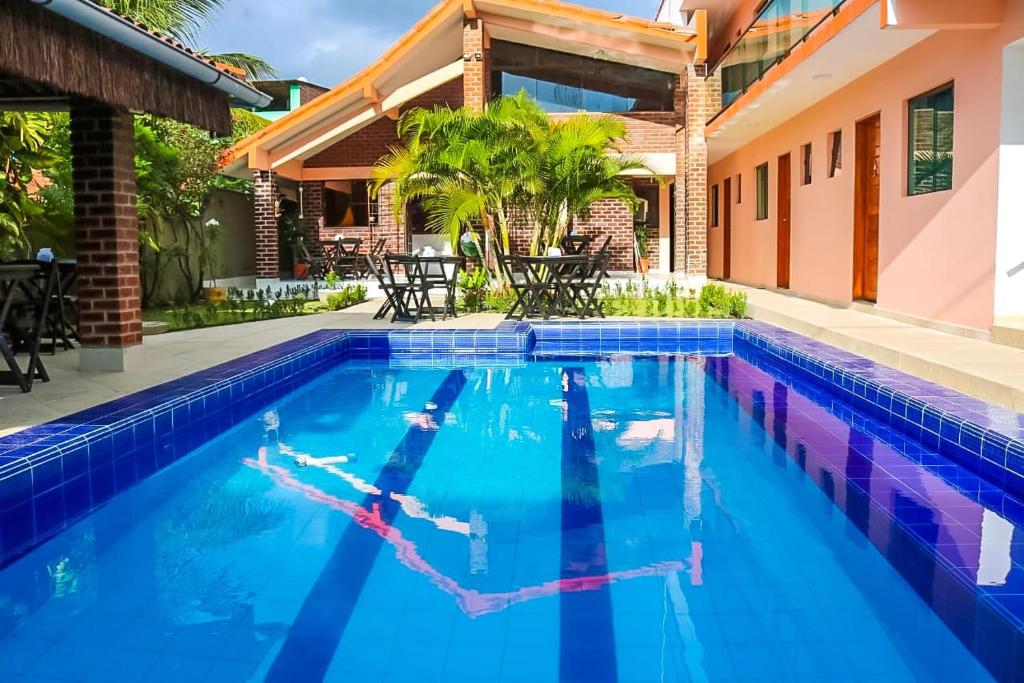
pixel 625 518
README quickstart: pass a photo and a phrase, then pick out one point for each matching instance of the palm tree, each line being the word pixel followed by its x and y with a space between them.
pixel 182 19
pixel 581 165
pixel 472 170
pixel 509 165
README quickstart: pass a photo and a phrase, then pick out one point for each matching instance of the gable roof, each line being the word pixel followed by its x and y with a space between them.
pixel 431 53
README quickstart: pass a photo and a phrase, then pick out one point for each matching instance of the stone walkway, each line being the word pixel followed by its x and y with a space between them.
pixel 988 371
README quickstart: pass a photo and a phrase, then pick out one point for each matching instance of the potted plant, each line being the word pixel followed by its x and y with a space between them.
pixel 643 260
pixel 209 256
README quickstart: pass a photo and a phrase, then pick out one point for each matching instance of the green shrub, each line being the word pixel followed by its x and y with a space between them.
pixel 350 295
pixel 500 300
pixel 713 301
pixel 474 289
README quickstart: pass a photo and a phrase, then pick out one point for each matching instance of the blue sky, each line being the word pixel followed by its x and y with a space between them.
pixel 328 40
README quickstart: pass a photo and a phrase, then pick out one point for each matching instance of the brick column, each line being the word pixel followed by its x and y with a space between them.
pixel 312 209
pixel 694 102
pixel 475 86
pixel 264 205
pixel 106 237
pixel 387 226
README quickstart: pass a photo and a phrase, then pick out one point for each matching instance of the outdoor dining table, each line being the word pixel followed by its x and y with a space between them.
pixel 410 285
pixel 35 284
pixel 555 285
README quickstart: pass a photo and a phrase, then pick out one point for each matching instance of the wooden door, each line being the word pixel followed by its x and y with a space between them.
pixel 727 228
pixel 866 200
pixel 784 211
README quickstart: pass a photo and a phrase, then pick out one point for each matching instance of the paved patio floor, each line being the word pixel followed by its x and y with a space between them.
pixel 988 371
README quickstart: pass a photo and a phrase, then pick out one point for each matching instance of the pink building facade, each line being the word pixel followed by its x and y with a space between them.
pixel 875 158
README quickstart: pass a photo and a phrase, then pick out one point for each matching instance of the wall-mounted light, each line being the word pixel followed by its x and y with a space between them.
pixel 479 56
pixel 467 57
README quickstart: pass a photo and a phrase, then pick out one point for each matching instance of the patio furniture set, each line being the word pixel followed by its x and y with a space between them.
pixel 566 284
pixel 343 257
pixel 37 302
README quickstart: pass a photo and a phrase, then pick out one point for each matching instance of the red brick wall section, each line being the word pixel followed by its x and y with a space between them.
pixel 309 92
pixel 475 84
pixel 366 146
pixel 610 217
pixel 265 220
pixel 691 173
pixel 106 226
pixel 312 209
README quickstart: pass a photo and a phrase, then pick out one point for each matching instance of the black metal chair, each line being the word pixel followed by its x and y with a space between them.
pixel 530 284
pixel 586 289
pixel 606 252
pixel 317 265
pixel 375 257
pixel 26 291
pixel 400 291
pixel 347 260
pixel 576 245
pixel 433 273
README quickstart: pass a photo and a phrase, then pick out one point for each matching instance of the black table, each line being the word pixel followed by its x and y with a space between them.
pixel 555 285
pixel 35 283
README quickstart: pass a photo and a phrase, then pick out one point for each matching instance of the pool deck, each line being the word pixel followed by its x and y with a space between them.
pixel 988 371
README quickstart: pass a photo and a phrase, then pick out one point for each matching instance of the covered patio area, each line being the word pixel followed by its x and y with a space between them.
pixel 73 55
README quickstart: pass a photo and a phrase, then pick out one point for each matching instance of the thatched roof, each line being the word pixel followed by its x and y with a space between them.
pixel 44 53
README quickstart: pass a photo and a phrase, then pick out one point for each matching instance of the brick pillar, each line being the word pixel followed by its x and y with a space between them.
pixel 106 237
pixel 312 209
pixel 475 78
pixel 264 204
pixel 387 226
pixel 694 102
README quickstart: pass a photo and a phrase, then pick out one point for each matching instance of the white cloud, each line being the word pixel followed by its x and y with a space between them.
pixel 329 40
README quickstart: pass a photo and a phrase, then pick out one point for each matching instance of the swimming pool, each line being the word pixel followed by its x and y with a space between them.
pixel 571 514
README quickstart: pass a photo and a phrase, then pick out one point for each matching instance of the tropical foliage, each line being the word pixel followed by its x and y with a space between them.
pixel 509 165
pixel 23 152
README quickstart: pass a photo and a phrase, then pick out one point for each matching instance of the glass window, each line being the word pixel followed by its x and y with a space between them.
pixel 348 203
pixel 780 25
pixel 762 192
pixel 648 212
pixel 930 137
pixel 562 82
pixel 714 206
pixel 805 164
pixel 835 153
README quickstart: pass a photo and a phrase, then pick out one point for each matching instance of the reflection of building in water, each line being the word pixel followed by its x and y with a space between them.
pixel 477 543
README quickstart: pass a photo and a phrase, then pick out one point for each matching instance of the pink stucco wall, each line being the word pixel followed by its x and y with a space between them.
pixel 936 251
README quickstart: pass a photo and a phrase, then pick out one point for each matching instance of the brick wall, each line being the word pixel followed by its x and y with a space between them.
pixel 650 132
pixel 312 210
pixel 695 96
pixel 475 87
pixel 264 202
pixel 366 146
pixel 106 226
pixel 309 92
pixel 610 217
